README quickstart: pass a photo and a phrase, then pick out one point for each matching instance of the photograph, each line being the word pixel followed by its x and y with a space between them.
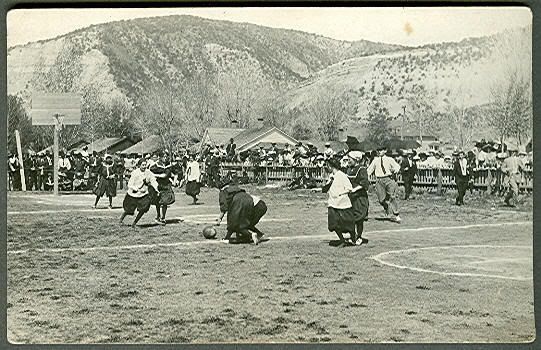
pixel 269 175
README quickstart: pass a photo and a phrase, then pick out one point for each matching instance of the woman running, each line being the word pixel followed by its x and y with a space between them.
pixel 340 213
pixel 138 195
pixel 359 197
pixel 193 175
pixel 166 196
pixel 107 182
pixel 243 212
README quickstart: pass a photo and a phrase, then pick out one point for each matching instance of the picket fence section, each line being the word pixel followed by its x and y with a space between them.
pixel 483 178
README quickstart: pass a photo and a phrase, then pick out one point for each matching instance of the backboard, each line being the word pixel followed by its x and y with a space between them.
pixel 44 106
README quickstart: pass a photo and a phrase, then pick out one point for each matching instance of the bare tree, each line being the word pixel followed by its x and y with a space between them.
pixel 161 113
pixel 241 94
pixel 421 111
pixel 511 107
pixel 331 112
pixel 199 98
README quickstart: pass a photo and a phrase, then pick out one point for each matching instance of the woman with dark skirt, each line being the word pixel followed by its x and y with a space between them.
pixel 106 182
pixel 243 212
pixel 340 213
pixel 193 178
pixel 138 196
pixel 358 177
pixel 166 196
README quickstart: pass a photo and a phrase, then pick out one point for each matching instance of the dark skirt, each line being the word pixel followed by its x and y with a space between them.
pixel 193 188
pixel 142 204
pixel 166 196
pixel 342 220
pixel 105 186
pixel 360 208
pixel 242 214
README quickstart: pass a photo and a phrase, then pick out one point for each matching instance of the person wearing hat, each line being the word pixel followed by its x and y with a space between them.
pixel 244 211
pixel 385 169
pixel 231 150
pixel 41 164
pixel 94 168
pixel 359 196
pixel 408 169
pixel 462 176
pixel 329 152
pixel 511 168
pixel 341 218
pixel 193 178
pixel 106 182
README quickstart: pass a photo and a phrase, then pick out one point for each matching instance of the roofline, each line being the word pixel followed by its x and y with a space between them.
pixel 264 134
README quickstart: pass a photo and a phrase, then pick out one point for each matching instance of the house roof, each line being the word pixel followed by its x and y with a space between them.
pixel 103 144
pixel 74 146
pixel 150 144
pixel 248 135
pixel 221 136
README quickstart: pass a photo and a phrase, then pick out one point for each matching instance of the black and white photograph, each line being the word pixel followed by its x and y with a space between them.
pixel 259 175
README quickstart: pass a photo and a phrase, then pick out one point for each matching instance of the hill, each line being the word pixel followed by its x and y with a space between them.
pixel 452 74
pixel 130 55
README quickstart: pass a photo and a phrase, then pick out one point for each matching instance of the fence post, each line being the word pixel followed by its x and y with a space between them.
pixel 266 174
pixel 439 189
pixel 489 181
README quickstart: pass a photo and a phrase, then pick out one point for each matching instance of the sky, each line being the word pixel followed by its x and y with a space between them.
pixel 411 26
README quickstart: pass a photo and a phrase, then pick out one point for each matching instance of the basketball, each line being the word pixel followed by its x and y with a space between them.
pixel 209 232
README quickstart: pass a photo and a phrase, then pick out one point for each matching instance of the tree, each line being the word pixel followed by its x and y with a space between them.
pixel 18 119
pixel 420 103
pixel 199 99
pixel 511 107
pixel 242 89
pixel 377 123
pixel 331 112
pixel 161 113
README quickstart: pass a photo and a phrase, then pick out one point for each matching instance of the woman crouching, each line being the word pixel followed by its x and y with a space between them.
pixel 243 212
pixel 340 213
pixel 142 182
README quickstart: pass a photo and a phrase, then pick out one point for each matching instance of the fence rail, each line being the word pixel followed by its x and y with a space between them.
pixel 483 178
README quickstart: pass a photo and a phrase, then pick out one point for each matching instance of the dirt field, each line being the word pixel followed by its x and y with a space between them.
pixel 446 274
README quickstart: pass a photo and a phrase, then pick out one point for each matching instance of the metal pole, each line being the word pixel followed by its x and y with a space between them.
pixel 20 153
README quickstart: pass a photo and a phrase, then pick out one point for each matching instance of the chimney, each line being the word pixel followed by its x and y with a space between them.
pixel 234 124
pixel 342 135
pixel 259 123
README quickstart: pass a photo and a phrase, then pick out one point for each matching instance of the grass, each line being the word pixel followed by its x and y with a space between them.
pixel 285 290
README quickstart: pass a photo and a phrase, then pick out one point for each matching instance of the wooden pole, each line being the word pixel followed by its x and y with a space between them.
pixel 20 154
pixel 55 155
pixel 439 189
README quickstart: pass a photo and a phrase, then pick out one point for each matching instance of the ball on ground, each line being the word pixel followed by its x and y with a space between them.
pixel 209 232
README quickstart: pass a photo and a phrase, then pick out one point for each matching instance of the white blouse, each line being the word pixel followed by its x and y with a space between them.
pixel 137 185
pixel 338 193
pixel 193 171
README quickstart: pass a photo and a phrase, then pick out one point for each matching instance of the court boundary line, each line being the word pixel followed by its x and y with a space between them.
pixel 379 259
pixel 277 238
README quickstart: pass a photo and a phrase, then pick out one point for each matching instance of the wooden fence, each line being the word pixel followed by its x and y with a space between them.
pixel 430 179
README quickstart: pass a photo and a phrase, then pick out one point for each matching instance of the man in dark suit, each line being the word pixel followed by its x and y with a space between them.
pixel 462 175
pixel 408 169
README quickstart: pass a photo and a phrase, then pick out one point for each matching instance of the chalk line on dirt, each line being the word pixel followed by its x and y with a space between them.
pixel 380 258
pixel 277 238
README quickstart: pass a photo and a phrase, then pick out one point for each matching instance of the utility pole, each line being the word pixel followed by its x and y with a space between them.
pixel 403 123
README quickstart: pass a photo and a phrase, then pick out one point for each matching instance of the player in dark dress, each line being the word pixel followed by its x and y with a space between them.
pixel 106 182
pixel 166 197
pixel 359 197
pixel 243 212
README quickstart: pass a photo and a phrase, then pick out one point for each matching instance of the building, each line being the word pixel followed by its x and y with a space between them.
pixel 247 139
pixel 149 144
pixel 110 144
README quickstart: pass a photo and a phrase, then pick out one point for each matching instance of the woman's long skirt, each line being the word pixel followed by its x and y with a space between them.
pixel 142 204
pixel 341 220
pixel 105 186
pixel 193 188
